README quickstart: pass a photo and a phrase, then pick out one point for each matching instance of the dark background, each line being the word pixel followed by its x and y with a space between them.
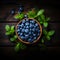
pixel 52 10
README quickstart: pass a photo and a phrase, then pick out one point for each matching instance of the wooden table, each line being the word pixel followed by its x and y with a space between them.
pixel 7 48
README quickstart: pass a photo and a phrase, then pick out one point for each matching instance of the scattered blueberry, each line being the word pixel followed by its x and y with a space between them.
pixel 12 12
pixel 20 9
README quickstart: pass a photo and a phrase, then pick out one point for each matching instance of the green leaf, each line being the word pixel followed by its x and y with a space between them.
pixel 45 32
pixel 12 39
pixel 45 24
pixel 47 19
pixel 50 33
pixel 16 17
pixel 21 16
pixel 17 47
pixel 48 37
pixel 8 33
pixel 42 40
pixel 12 28
pixel 40 12
pixel 31 14
pixel 42 17
pixel 7 27
pixel 15 37
pixel 22 46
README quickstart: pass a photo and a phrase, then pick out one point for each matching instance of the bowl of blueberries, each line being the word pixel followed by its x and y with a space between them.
pixel 28 30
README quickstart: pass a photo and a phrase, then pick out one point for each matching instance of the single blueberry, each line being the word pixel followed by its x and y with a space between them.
pixel 23 30
pixel 34 35
pixel 26 16
pixel 22 25
pixel 26 20
pixel 21 34
pixel 29 33
pixel 26 30
pixel 22 37
pixel 20 9
pixel 23 21
pixel 27 23
pixel 35 38
pixel 31 25
pixel 12 12
pixel 36 25
pixel 30 40
pixel 27 27
pixel 26 35
pixel 33 29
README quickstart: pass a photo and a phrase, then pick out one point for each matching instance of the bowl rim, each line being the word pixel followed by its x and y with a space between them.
pixel 25 41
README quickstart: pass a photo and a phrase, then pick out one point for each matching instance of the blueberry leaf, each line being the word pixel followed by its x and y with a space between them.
pixel 45 32
pixel 40 12
pixel 7 27
pixel 12 28
pixel 15 37
pixel 17 47
pixel 12 39
pixel 47 19
pixel 42 40
pixel 48 37
pixel 21 16
pixel 50 33
pixel 8 33
pixel 45 24
pixel 31 14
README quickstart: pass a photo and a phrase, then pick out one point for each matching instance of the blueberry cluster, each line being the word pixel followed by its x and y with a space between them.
pixel 28 30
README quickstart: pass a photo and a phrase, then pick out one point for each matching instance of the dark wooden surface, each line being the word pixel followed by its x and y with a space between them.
pixel 51 10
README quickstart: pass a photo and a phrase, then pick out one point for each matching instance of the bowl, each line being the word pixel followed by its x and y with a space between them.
pixel 27 42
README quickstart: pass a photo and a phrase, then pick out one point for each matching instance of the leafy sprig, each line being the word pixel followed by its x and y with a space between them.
pixel 20 46
pixel 10 31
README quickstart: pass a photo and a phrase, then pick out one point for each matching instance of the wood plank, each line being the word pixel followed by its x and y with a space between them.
pixel 55 41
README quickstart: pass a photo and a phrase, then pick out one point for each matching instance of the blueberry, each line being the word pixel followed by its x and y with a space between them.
pixel 34 35
pixel 22 25
pixel 20 9
pixel 33 29
pixel 26 23
pixel 29 33
pixel 27 20
pixel 26 30
pixel 22 37
pixel 31 26
pixel 26 35
pixel 12 12
pixel 30 40
pixel 23 30
pixel 23 21
pixel 26 16
pixel 36 24
pixel 21 34
pixel 27 27
pixel 34 38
